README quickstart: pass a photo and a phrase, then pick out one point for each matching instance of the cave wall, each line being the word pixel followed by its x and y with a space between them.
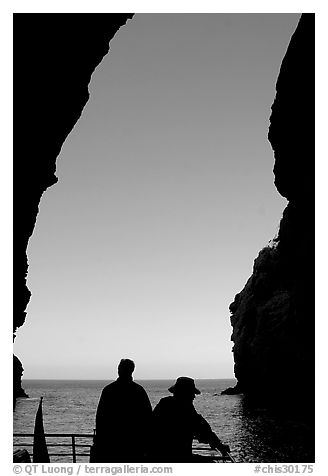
pixel 273 316
pixel 54 58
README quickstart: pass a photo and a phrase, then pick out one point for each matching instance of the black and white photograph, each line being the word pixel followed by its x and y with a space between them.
pixel 164 240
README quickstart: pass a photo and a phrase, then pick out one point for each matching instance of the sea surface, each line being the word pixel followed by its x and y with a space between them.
pixel 254 435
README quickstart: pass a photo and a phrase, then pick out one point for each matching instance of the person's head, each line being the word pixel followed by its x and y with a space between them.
pixel 184 389
pixel 126 368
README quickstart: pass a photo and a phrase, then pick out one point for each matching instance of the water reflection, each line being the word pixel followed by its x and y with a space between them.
pixel 264 436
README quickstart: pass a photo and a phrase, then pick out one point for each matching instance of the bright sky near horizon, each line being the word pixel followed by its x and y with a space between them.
pixel 165 197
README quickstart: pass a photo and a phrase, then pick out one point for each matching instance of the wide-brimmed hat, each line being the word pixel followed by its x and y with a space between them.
pixel 184 385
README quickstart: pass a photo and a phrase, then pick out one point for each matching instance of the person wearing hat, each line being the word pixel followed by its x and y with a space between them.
pixel 176 423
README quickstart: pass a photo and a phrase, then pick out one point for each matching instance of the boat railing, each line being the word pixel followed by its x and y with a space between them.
pixel 81 443
pixel 77 442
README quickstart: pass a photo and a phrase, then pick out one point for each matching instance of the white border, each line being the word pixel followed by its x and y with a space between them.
pixel 7 8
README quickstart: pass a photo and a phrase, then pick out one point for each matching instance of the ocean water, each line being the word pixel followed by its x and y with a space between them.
pixel 254 435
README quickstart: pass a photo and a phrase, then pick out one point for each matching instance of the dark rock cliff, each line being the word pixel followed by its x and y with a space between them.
pixel 273 316
pixel 17 382
pixel 54 57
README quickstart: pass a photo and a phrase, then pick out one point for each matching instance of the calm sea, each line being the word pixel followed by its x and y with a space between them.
pixel 69 406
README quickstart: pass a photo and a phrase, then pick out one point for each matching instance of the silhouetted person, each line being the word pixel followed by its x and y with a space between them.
pixel 176 423
pixel 122 420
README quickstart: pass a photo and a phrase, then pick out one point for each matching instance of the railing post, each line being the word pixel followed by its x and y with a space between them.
pixel 73 447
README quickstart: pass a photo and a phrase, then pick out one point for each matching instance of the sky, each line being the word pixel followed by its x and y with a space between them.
pixel 165 197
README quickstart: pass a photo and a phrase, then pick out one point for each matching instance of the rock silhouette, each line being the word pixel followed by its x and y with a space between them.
pixel 273 316
pixel 54 57
pixel 18 391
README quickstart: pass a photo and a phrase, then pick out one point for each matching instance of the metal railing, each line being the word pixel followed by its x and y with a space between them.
pixel 76 445
pixel 73 444
pixel 217 458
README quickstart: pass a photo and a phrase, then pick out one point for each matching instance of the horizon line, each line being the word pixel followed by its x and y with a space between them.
pixel 95 379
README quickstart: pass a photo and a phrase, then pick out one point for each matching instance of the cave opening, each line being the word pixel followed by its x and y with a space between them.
pixel 165 195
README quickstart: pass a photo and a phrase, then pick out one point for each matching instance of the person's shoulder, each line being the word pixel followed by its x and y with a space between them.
pixel 165 401
pixel 111 386
pixel 164 407
pixel 138 388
